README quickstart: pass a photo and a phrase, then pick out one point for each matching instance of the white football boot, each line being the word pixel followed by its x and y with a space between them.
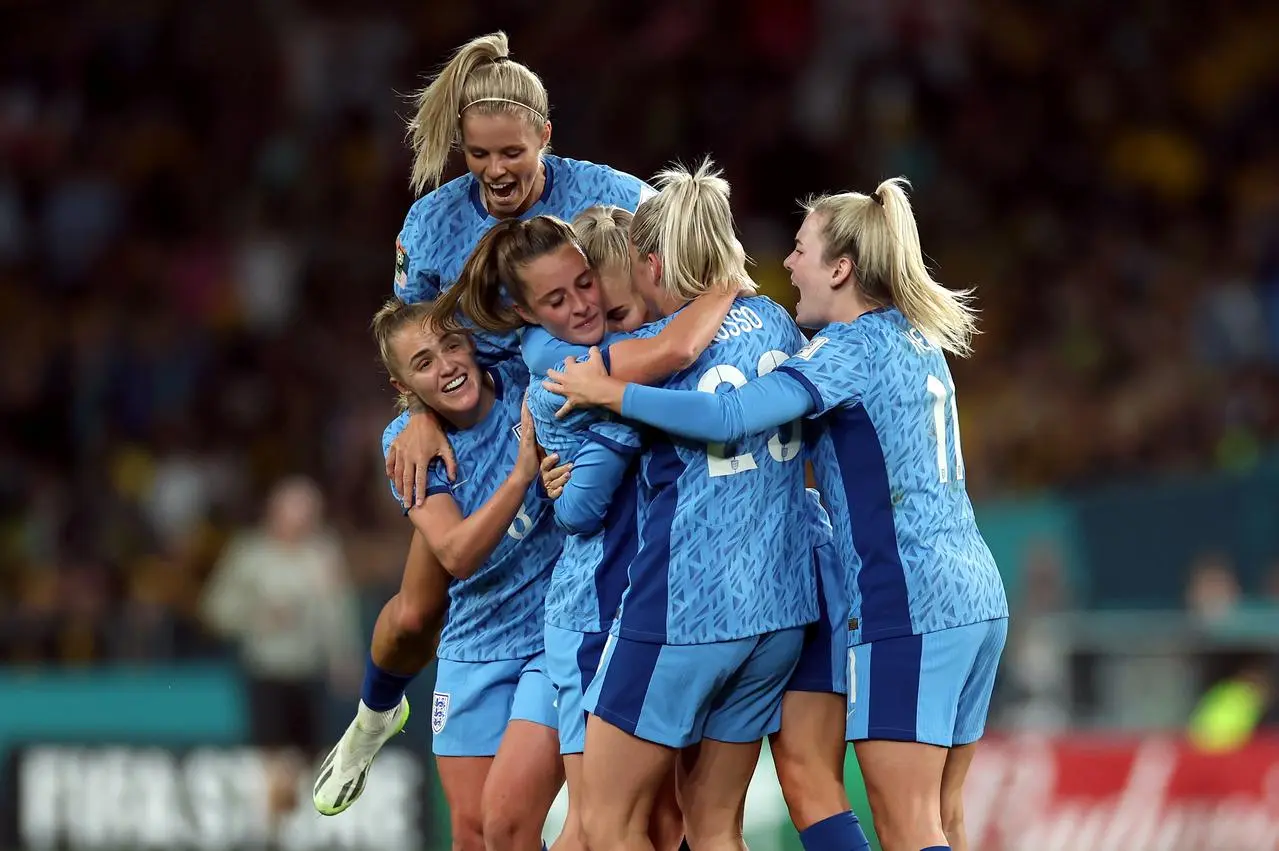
pixel 346 769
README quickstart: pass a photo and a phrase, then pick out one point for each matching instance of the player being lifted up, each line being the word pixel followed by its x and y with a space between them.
pixel 496 109
pixel 712 622
pixel 493 715
pixel 927 599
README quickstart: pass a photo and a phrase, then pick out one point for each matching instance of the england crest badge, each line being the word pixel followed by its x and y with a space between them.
pixel 439 712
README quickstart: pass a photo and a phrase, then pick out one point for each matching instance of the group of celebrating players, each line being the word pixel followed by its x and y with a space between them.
pixel 615 557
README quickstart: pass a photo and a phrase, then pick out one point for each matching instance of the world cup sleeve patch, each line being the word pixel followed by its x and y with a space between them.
pixel 439 712
pixel 401 265
pixel 811 349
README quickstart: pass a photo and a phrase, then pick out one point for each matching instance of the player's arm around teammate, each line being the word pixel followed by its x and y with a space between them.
pixel 925 648
pixel 669 681
pixel 809 750
pixel 550 282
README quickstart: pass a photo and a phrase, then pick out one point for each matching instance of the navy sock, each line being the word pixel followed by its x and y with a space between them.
pixel 937 848
pixel 544 848
pixel 683 845
pixel 382 690
pixel 842 832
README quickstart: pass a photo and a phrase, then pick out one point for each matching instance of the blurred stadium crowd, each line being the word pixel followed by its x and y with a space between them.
pixel 198 207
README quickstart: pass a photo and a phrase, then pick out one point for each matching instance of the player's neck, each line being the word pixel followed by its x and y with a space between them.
pixel 852 308
pixel 462 420
pixel 539 186
pixel 668 304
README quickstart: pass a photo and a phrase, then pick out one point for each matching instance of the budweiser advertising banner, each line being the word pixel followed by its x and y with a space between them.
pixel 1122 794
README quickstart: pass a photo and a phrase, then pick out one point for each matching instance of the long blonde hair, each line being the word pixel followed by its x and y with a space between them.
pixel 604 233
pixel 387 322
pixel 479 78
pixel 689 225
pixel 877 233
pixel 491 282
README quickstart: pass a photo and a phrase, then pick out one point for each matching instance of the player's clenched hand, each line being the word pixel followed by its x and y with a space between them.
pixel 554 478
pixel 526 463
pixel 585 384
pixel 411 454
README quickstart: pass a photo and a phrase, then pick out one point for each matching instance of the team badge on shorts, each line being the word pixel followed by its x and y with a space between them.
pixel 439 712
pixel 401 265
pixel 518 429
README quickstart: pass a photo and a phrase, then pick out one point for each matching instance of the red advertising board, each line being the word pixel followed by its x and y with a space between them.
pixel 1122 794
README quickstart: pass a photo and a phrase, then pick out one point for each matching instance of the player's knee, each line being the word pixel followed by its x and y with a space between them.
pixel 899 820
pixel 572 837
pixel 710 827
pixel 952 815
pixel 666 827
pixel 605 827
pixel 504 827
pixel 598 829
pixel 468 832
pixel 810 790
pixel 415 618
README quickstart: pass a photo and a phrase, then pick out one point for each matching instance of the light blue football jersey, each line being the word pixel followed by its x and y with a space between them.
pixel 587 585
pixel 497 612
pixel 443 227
pixel 720 556
pixel 893 478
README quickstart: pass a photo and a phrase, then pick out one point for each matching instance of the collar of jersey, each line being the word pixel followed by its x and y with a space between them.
pixel 494 374
pixel 478 203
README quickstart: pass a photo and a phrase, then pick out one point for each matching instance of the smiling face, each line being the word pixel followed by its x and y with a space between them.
pixel 817 280
pixel 504 152
pixel 439 369
pixel 562 296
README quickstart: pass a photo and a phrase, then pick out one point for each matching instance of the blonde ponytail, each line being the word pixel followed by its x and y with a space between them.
pixel 877 232
pixel 604 233
pixel 480 76
pixel 689 225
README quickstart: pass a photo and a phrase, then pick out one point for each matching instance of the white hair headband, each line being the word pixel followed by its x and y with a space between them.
pixel 501 100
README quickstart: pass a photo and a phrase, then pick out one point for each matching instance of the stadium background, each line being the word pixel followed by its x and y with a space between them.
pixel 198 205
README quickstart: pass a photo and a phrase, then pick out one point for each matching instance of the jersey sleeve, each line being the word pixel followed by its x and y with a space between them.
pixel 756 406
pixel 597 472
pixel 645 332
pixel 437 475
pixel 832 368
pixel 623 190
pixel 493 349
pixel 437 478
pixel 513 375
pixel 620 437
pixel 541 351
pixel 414 280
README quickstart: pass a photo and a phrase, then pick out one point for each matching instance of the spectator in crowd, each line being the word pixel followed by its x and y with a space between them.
pixel 281 593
